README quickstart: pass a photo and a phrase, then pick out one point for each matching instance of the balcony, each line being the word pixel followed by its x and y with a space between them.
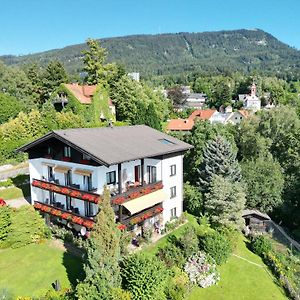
pixel 67 191
pixel 64 214
pixel 136 192
pixel 142 216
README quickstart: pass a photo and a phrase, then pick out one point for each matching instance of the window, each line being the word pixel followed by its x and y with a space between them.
pixel 87 183
pixel 69 203
pixel 173 191
pixel 85 157
pixel 88 209
pixel 111 177
pixel 68 178
pixel 151 174
pixel 67 151
pixel 173 213
pixel 49 150
pixel 50 174
pixel 173 170
pixel 166 142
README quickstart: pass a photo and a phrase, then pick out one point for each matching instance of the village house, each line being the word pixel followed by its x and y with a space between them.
pixel 211 115
pixel 141 167
pixel 83 94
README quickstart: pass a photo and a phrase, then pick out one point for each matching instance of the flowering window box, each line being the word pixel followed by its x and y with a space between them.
pixel 66 158
pixel 85 161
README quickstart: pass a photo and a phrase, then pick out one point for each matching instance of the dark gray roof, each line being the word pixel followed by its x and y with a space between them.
pixel 248 212
pixel 117 144
pixel 196 95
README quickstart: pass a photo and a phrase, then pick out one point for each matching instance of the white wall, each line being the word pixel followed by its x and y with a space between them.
pixel 170 181
pixel 38 169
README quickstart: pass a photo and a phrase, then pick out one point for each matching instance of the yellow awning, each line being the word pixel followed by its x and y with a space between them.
pixel 62 169
pixel 144 202
pixel 83 172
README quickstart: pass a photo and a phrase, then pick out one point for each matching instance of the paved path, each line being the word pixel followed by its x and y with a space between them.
pixel 16 203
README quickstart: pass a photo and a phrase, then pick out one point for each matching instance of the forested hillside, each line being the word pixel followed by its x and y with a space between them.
pixel 207 52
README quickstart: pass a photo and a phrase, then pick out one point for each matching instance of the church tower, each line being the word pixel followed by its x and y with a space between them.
pixel 253 89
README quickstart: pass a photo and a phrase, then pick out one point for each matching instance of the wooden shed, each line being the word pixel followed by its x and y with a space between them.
pixel 256 220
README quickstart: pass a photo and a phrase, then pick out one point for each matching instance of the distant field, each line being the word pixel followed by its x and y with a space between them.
pixel 31 270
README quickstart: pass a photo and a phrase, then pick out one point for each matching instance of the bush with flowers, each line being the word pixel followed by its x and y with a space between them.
pixel 202 270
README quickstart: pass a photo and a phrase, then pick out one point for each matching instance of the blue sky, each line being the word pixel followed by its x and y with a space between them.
pixel 29 26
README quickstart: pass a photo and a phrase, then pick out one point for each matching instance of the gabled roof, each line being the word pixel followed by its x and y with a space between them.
pixel 180 124
pixel 188 124
pixel 110 146
pixel 83 93
pixel 203 114
pixel 254 212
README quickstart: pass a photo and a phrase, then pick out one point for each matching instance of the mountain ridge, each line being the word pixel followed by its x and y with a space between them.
pixel 241 50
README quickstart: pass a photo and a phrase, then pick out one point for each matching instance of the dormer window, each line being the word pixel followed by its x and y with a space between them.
pixel 67 151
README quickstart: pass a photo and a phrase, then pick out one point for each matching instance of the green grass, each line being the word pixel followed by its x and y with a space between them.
pixel 15 192
pixel 241 280
pixel 31 270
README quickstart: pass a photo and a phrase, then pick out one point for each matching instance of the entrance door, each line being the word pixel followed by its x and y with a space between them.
pixel 137 173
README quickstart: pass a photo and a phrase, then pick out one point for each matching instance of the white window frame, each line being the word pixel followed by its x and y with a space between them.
pixel 173 192
pixel 173 170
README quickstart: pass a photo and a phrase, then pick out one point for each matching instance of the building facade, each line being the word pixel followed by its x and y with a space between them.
pixel 141 167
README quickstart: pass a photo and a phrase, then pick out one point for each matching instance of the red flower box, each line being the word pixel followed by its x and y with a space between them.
pixel 65 158
pixel 65 191
pixel 85 161
pixel 88 224
pixel 75 194
pixel 77 220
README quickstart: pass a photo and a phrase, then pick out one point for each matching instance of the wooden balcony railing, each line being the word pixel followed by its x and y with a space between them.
pixel 66 190
pixel 143 215
pixel 136 192
pixel 64 214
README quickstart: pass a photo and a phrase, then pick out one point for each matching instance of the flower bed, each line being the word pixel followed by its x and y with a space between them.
pixel 66 191
pixel 136 193
pixel 64 215
pixel 201 270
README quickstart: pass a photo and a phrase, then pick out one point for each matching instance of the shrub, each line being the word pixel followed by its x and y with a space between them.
pixel 171 255
pixel 27 227
pixel 189 242
pixel 147 234
pixel 5 294
pixel 5 222
pixel 261 245
pixel 6 183
pixel 231 234
pixel 178 286
pixel 145 277
pixel 120 294
pixel 201 270
pixel 217 246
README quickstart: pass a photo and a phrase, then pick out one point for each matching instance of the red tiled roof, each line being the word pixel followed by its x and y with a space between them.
pixel 188 124
pixel 244 113
pixel 180 124
pixel 83 93
pixel 203 114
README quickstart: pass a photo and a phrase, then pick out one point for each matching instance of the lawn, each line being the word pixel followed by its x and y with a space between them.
pixel 31 270
pixel 241 280
pixel 15 192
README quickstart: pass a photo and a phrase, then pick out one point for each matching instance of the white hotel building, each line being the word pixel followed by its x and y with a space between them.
pixel 142 167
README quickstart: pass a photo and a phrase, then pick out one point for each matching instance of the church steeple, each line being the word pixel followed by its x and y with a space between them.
pixel 253 89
